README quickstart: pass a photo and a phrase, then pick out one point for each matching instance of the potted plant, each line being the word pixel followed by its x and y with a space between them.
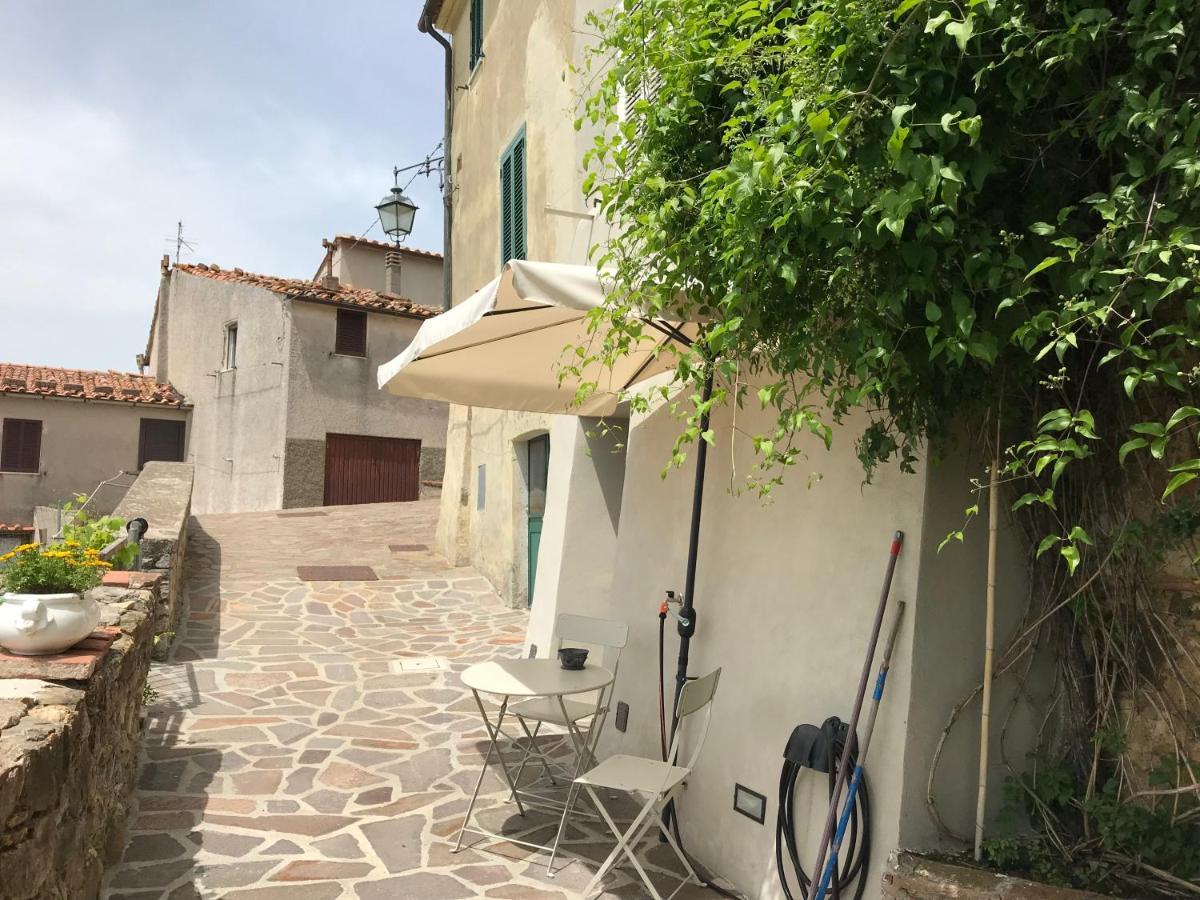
pixel 43 609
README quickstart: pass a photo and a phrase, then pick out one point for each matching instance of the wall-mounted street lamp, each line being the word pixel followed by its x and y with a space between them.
pixel 396 214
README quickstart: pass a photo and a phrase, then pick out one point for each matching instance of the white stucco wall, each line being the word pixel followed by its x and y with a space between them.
pixel 785 594
pixel 83 444
pixel 237 432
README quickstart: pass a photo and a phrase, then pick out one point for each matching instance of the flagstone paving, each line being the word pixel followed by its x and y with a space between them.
pixel 287 755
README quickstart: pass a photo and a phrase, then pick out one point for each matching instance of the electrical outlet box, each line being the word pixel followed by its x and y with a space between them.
pixel 622 718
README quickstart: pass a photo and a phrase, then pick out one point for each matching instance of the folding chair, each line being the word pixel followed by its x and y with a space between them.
pixel 609 638
pixel 656 780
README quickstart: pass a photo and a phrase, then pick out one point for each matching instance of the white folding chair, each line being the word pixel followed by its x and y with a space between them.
pixel 602 635
pixel 656 780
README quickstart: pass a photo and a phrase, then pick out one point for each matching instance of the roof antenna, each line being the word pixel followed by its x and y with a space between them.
pixel 180 243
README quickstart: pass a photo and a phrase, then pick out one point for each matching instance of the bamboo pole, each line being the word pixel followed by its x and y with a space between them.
pixel 989 643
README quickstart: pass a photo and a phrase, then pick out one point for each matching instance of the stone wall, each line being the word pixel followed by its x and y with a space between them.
pixel 68 757
pixel 162 495
pixel 912 877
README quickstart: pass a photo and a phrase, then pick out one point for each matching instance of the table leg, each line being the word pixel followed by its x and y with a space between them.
pixel 493 733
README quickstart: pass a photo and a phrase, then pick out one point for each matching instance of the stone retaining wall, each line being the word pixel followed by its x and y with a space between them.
pixel 162 495
pixel 68 759
pixel 912 877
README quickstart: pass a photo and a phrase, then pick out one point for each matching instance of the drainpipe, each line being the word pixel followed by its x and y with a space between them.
pixel 426 26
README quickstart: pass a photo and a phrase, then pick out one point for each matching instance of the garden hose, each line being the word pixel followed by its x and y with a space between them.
pixel 820 750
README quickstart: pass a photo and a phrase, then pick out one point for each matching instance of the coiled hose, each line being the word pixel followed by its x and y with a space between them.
pixel 856 850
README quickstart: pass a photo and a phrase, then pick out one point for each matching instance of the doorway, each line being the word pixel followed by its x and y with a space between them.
pixel 538 450
pixel 365 469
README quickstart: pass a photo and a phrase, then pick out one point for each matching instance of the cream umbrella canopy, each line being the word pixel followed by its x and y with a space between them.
pixel 503 346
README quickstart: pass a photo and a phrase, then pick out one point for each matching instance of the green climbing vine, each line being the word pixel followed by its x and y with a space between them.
pixel 932 214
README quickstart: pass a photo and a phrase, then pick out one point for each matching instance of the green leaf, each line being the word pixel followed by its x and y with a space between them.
pixel 818 123
pixel 1184 412
pixel 972 128
pixel 962 31
pixel 1047 542
pixel 1071 554
pixel 1129 446
pixel 1043 265
pixel 937 21
pixel 898 113
pixel 1177 482
pixel 1078 534
pixel 904 7
pixel 933 312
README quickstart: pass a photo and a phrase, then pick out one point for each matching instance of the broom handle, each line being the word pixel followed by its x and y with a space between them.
pixel 885 666
pixel 844 764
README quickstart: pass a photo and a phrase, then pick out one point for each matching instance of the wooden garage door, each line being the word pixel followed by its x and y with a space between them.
pixel 361 469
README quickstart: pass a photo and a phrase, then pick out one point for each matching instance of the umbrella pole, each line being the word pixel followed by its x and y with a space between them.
pixel 687 613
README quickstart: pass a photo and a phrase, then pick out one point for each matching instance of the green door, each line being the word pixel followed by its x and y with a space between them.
pixel 538 449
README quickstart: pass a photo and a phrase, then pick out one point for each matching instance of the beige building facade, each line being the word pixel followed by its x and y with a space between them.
pixel 785 589
pixel 280 375
pixel 66 432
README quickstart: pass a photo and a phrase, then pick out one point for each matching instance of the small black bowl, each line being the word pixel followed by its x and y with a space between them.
pixel 572 658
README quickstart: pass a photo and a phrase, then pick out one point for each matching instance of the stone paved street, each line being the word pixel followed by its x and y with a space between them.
pixel 287 755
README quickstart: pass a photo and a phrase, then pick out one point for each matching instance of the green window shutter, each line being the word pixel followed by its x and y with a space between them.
pixel 506 209
pixel 476 32
pixel 514 228
pixel 519 225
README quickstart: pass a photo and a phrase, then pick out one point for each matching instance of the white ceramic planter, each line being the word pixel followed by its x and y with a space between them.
pixel 40 624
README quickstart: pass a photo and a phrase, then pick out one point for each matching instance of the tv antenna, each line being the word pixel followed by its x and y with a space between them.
pixel 180 243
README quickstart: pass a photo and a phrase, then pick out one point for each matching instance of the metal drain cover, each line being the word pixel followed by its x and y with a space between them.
pixel 419 664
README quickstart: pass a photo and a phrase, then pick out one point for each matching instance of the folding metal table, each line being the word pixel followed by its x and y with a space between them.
pixel 523 679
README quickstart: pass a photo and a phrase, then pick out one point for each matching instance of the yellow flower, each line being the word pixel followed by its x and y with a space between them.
pixel 70 543
pixel 7 556
pixel 25 547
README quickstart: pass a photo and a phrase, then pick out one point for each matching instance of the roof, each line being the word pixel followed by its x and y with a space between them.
pixel 299 289
pixel 430 12
pixel 381 245
pixel 78 384
pixel 10 528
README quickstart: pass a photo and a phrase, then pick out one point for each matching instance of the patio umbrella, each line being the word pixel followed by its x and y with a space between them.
pixel 503 346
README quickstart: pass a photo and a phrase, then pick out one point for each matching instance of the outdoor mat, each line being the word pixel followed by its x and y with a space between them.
pixel 407 548
pixel 336 573
pixel 299 515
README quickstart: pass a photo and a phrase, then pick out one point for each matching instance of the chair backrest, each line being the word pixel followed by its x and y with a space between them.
pixel 588 630
pixel 696 695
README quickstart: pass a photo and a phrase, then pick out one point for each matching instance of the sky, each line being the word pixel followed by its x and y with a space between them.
pixel 263 125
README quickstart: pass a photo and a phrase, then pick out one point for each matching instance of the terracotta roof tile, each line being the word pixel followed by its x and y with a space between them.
pixel 121 387
pixel 8 528
pixel 382 245
pixel 299 289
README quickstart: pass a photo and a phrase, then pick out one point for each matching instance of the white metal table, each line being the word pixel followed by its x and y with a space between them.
pixel 524 679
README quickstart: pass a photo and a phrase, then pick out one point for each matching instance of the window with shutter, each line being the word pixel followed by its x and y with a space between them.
pixel 476 32
pixel 160 440
pixel 21 445
pixel 514 235
pixel 351 337
pixel 229 357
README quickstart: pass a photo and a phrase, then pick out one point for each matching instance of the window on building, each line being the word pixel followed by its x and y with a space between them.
pixel 480 487
pixel 513 235
pixel 351 337
pixel 21 445
pixel 229 359
pixel 476 32
pixel 160 439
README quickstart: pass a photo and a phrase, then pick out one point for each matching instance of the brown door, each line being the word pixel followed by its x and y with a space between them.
pixel 362 469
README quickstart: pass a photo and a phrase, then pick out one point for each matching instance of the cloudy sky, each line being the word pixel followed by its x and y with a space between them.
pixel 264 125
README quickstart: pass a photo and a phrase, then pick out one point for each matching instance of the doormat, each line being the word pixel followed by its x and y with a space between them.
pixel 336 573
pixel 407 548
pixel 299 515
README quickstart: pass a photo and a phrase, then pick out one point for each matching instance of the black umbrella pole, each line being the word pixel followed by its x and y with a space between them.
pixel 687 615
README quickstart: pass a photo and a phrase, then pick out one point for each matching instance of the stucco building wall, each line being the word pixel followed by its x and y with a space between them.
pixel 333 394
pixel 239 417
pixel 361 265
pixel 525 83
pixel 84 442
